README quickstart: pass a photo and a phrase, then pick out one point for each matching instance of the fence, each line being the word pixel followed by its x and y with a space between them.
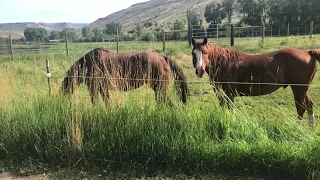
pixel 10 46
pixel 225 33
pixel 165 40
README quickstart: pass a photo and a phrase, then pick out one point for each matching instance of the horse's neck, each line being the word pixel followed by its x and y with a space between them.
pixel 224 55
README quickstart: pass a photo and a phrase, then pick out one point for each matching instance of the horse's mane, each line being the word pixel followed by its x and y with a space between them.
pixel 83 68
pixel 224 55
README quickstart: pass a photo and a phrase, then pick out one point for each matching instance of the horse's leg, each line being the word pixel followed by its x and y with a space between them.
pixel 219 94
pixel 228 97
pixel 91 90
pixel 230 101
pixel 161 93
pixel 309 106
pixel 105 95
pixel 166 98
pixel 299 94
pixel 155 87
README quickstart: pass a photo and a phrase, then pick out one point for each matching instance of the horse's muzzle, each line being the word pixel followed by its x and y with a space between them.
pixel 200 72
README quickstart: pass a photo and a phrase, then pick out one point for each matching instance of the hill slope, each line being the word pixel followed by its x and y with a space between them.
pixel 18 28
pixel 164 12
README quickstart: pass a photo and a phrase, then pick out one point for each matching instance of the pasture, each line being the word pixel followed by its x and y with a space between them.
pixel 133 135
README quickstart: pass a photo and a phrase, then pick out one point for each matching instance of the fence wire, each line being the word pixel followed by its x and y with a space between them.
pixel 198 82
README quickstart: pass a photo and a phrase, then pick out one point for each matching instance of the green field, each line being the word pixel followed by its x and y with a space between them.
pixel 135 138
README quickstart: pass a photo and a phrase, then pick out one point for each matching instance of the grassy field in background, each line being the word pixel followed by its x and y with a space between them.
pixel 134 137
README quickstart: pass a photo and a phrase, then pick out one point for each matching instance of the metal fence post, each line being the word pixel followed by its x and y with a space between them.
pixel 48 75
pixel 11 47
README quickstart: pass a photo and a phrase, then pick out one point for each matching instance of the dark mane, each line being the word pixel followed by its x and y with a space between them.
pixel 224 55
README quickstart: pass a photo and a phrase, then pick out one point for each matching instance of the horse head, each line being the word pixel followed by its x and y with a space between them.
pixel 200 57
pixel 74 77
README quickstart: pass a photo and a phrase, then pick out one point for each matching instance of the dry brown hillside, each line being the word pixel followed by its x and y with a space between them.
pixel 164 12
pixel 17 29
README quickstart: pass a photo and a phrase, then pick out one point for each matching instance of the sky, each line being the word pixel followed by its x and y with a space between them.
pixel 52 11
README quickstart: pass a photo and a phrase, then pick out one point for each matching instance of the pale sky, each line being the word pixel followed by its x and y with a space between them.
pixel 50 11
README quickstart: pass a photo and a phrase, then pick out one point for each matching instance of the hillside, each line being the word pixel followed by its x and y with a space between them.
pixel 164 12
pixel 18 28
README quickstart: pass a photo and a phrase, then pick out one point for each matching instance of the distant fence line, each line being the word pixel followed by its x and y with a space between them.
pixel 221 33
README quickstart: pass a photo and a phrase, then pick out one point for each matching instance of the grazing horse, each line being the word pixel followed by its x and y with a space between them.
pixel 102 70
pixel 240 74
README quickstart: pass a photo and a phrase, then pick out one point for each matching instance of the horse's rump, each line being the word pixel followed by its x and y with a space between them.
pixel 315 53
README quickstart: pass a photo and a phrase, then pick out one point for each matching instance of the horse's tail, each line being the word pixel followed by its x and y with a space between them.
pixel 315 53
pixel 180 79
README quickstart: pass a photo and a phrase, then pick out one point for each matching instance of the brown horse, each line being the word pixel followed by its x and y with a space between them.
pixel 240 74
pixel 102 70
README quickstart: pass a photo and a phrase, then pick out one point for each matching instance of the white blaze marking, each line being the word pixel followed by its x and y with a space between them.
pixel 198 54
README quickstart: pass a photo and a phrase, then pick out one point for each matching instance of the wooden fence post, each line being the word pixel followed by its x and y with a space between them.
pixel 189 33
pixel 262 30
pixel 48 75
pixel 232 35
pixel 163 40
pixel 288 33
pixel 311 30
pixel 117 38
pixel 217 34
pixel 67 48
pixel 11 47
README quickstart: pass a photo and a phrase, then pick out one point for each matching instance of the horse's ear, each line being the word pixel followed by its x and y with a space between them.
pixel 205 41
pixel 194 42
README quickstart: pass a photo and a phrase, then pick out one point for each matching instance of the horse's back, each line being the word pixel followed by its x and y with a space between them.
pixel 285 66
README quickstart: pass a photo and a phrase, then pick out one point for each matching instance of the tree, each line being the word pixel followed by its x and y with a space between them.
pixel 86 32
pixel 147 24
pixel 4 40
pixel 148 36
pixel 214 13
pixel 35 34
pixel 54 35
pixel 72 36
pixel 98 34
pixel 315 11
pixel 192 16
pixel 180 24
pixel 139 30
pixel 253 10
pixel 229 6
pixel 111 28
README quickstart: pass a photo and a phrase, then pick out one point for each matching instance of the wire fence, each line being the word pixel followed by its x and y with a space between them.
pixel 161 40
pixel 222 32
pixel 283 107
pixel 198 82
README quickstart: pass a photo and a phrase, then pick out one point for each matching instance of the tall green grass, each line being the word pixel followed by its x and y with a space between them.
pixel 258 138
pixel 198 139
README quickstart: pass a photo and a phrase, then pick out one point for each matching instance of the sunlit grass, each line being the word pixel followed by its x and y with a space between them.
pixel 258 138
